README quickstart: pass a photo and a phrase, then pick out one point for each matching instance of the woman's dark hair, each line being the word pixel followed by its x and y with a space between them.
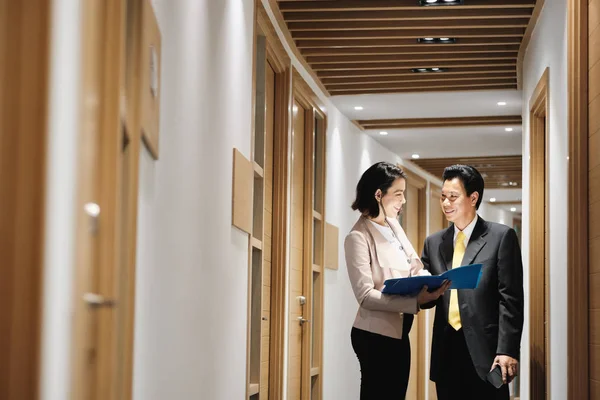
pixel 470 178
pixel 379 176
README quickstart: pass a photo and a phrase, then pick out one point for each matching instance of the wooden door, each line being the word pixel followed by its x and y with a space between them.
pixel 413 220
pixel 437 222
pixel 24 61
pixel 305 377
pixel 107 201
pixel 298 259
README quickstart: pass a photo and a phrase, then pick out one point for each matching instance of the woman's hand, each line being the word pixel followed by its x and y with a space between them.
pixel 425 297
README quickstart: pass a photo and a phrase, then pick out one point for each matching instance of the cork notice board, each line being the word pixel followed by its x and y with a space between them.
pixel 331 246
pixel 243 175
pixel 150 78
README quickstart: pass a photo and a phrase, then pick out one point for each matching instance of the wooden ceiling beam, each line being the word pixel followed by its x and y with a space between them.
pixel 405 25
pixel 402 43
pixel 432 85
pixel 428 89
pixel 411 33
pixel 429 49
pixel 401 57
pixel 413 64
pixel 440 122
pixel 403 15
pixel 333 76
pixel 510 78
pixel 391 5
pixel 415 78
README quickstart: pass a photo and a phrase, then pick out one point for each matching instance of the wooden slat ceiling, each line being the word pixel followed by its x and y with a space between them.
pixel 371 46
pixel 498 172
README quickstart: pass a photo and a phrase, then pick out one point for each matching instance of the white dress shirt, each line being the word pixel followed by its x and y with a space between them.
pixel 468 231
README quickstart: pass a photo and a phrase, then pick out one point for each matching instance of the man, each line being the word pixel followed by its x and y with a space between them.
pixel 474 330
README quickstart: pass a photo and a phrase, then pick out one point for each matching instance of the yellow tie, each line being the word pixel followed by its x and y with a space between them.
pixel 453 312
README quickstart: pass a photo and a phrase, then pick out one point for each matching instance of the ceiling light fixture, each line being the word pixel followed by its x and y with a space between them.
pixel 492 200
pixel 358 108
pixel 415 156
pixel 513 209
pixel 440 2
pixel 434 40
pixel 508 129
pixel 383 133
pixel 512 183
pixel 501 103
pixel 425 70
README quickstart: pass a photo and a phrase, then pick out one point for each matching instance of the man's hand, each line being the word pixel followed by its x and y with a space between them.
pixel 425 296
pixel 509 366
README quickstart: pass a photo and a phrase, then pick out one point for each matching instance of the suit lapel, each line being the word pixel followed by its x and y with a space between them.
pixel 476 242
pixel 447 248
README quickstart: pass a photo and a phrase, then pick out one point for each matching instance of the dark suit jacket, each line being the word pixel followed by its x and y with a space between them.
pixel 492 314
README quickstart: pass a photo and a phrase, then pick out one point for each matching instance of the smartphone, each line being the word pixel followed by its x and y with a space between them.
pixel 495 377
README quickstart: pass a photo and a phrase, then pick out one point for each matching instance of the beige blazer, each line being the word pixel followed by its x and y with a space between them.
pixel 370 260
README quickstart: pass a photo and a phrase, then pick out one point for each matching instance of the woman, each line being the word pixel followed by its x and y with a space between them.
pixel 377 249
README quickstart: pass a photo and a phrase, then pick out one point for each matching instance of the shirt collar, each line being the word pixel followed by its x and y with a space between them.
pixel 468 231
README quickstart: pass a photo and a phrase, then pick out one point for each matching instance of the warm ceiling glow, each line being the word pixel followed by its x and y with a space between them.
pixel 501 103
pixel 415 156
pixel 508 129
pixel 513 209
pixel 383 133
pixel 493 200
pixel 358 108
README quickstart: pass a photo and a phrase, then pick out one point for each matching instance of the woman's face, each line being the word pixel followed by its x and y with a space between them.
pixel 393 200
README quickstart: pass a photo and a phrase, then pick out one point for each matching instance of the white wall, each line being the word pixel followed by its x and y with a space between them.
pixel 191 333
pixel 493 213
pixel 191 303
pixel 548 48
pixel 60 199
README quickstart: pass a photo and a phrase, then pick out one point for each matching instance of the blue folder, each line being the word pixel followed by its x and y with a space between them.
pixel 466 277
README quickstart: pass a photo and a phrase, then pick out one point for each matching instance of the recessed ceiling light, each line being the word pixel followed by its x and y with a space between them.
pixel 383 133
pixel 501 103
pixel 508 129
pixel 433 69
pixel 415 156
pixel 492 200
pixel 440 2
pixel 513 209
pixel 358 108
pixel 434 40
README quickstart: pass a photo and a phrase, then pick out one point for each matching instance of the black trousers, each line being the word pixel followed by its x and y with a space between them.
pixel 459 380
pixel 384 363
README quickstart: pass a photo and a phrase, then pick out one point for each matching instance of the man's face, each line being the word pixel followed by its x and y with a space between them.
pixel 456 205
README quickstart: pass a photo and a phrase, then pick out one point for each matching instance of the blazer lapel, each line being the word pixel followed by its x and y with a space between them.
pixel 476 242
pixel 447 248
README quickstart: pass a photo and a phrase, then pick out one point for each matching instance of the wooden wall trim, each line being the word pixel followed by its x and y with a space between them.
pixel 305 94
pixel 526 39
pixel 538 243
pixel 577 234
pixel 279 275
pixel 133 122
pixel 414 179
pixel 24 65
pixel 277 55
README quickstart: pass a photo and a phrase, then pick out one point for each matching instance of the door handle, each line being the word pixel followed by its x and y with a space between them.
pixel 96 300
pixel 302 320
